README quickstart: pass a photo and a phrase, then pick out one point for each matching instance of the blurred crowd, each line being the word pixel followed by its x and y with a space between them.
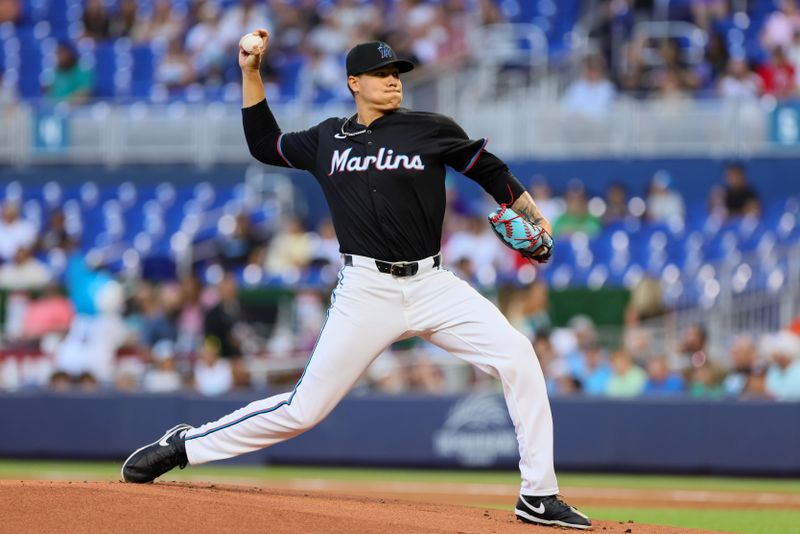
pixel 197 42
pixel 674 64
pixel 79 326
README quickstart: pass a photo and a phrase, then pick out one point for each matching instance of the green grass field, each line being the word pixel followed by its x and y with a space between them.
pixel 751 520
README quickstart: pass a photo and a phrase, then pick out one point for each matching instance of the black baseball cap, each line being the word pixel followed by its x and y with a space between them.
pixel 373 55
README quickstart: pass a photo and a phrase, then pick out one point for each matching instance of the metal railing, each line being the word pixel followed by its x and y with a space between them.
pixel 522 125
pixel 751 294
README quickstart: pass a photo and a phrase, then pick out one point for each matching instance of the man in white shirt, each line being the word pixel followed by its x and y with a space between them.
pixel 15 232
pixel 591 96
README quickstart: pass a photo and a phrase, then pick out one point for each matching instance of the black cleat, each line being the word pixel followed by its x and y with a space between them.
pixel 550 510
pixel 151 461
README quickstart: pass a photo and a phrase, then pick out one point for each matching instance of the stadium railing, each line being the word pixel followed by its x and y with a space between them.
pixel 520 126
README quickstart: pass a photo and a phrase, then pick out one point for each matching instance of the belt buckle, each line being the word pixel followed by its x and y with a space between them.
pixel 404 269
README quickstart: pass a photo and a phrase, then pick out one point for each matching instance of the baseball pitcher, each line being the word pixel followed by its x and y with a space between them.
pixel 382 172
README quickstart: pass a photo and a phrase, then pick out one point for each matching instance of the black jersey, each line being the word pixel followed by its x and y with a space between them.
pixel 384 183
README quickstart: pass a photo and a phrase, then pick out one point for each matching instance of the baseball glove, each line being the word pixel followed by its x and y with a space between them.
pixel 520 234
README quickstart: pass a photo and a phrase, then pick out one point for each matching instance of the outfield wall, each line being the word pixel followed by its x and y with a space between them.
pixel 659 435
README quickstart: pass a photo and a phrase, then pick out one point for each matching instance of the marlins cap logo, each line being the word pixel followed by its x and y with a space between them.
pixel 385 51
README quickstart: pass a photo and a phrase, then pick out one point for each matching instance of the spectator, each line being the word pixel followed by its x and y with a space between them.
pixel 163 377
pixel 574 354
pixel 290 250
pixel 320 78
pixel 550 207
pixel 96 20
pixel 212 374
pixel 240 245
pixel 387 374
pixel 326 246
pixel 660 381
pixel 673 76
pixel 739 81
pixel 424 375
pixel 664 204
pixel 422 21
pixel 191 315
pixel 221 321
pixel 563 383
pixel 716 58
pixel 10 10
pixel 71 82
pixel 357 18
pixel 242 18
pixel 51 313
pixel 778 75
pixel 125 21
pixel 597 371
pixel 743 357
pixel 740 198
pixel 175 70
pixel 55 237
pixel 691 350
pixel 155 324
pixel 328 37
pixel 706 12
pixel 756 387
pixel 783 373
pixel 671 89
pixel 25 271
pixel 164 25
pixel 577 218
pixel 627 379
pixel 15 232
pixel 793 52
pixel 781 25
pixel 616 204
pixel 592 96
pixel 545 353
pixel 205 47
pixel 530 310
pixel 477 243
pixel 705 382
pixel 87 355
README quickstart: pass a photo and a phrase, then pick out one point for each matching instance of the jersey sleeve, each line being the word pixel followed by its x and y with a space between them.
pixel 470 158
pixel 299 149
pixel 271 146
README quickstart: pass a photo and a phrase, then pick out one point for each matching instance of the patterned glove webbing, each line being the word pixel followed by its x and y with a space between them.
pixel 520 234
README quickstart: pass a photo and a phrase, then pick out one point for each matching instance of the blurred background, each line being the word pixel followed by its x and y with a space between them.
pixel 144 253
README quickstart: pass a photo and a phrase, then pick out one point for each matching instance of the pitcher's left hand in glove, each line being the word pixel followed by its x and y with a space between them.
pixel 522 235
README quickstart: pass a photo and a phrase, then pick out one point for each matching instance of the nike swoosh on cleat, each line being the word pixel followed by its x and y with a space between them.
pixel 538 509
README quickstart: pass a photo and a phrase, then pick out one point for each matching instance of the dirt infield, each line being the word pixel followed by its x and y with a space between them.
pixel 90 507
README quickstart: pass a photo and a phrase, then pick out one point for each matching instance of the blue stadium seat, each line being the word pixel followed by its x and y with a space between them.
pixel 105 70
pixel 143 70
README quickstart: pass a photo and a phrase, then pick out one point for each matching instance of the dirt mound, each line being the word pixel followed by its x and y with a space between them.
pixel 76 507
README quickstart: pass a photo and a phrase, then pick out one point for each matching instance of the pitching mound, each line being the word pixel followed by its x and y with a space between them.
pixel 73 507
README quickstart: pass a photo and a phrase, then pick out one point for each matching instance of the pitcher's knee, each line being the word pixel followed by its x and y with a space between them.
pixel 305 417
pixel 519 353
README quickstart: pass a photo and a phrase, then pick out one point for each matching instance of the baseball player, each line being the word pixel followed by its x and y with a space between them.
pixel 382 171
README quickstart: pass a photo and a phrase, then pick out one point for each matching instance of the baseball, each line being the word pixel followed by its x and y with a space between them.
pixel 251 43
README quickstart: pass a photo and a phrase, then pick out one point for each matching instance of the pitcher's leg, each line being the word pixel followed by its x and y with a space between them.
pixel 358 328
pixel 475 330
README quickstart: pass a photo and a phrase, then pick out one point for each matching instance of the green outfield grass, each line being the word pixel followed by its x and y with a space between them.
pixel 751 521
pixel 746 521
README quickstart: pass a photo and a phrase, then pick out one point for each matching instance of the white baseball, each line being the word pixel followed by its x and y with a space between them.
pixel 251 42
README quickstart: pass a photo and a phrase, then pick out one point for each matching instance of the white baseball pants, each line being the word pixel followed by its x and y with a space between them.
pixel 369 311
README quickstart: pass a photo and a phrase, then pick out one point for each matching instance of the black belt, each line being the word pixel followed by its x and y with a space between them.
pixel 400 268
